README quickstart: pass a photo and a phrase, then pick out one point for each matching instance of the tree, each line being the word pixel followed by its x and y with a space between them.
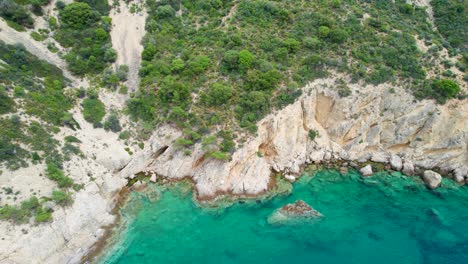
pixel 323 31
pixel 198 65
pixel 149 52
pixel 246 60
pixel 78 15
pixel 177 65
pixel 292 45
pixel 165 11
pixel 338 35
pixel 231 59
pixel 217 94
pixel 446 88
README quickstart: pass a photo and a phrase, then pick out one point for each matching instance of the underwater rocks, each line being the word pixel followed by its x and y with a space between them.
pixel 432 179
pixel 296 212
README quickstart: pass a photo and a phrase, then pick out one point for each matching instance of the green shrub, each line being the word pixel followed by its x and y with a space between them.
pixel 218 94
pixel 313 134
pixel 124 135
pixel 37 37
pixel 7 104
pixel 182 142
pixel 43 215
pixel 15 13
pixel 30 204
pixel 61 198
pixel 112 123
pixel 219 155
pixel 446 88
pixel 78 16
pixel 93 110
pixel 72 139
pixel 246 60
pixel 56 174
pixel 14 214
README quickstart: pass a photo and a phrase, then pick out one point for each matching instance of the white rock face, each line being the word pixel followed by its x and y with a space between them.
pixel 432 179
pixel 381 157
pixel 366 171
pixel 370 125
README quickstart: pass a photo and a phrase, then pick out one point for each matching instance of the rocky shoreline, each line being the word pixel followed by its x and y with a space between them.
pixel 374 126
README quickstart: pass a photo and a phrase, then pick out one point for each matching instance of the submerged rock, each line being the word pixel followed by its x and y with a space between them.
pixel 432 179
pixel 290 213
pixel 366 171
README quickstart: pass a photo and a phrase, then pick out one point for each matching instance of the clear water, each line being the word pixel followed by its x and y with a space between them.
pixel 383 219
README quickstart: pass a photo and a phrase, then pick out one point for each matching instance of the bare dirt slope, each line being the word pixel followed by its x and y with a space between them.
pixel 127 33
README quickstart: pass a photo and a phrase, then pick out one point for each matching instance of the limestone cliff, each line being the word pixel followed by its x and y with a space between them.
pixel 379 123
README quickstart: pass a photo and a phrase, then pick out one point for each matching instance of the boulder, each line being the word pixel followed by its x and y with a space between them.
pixel 396 162
pixel 408 167
pixel 380 157
pixel 366 171
pixel 459 179
pixel 290 178
pixel 290 213
pixel 461 172
pixel 153 178
pixel 317 156
pixel 432 179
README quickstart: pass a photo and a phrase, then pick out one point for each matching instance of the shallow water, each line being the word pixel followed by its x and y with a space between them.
pixel 382 219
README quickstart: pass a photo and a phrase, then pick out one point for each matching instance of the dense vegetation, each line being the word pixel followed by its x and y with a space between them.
pixel 452 21
pixel 38 88
pixel 34 104
pixel 15 12
pixel 85 30
pixel 217 67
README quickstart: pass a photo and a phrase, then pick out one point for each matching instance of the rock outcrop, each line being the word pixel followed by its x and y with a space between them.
pixel 366 171
pixel 296 212
pixel 371 124
pixel 432 179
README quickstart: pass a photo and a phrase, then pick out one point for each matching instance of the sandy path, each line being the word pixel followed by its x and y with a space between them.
pixel 11 36
pixel 127 33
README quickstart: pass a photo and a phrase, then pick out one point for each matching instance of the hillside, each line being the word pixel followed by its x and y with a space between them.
pixel 94 94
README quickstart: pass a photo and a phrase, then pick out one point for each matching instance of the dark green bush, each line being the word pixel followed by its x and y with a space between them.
pixel 112 123
pixel 93 110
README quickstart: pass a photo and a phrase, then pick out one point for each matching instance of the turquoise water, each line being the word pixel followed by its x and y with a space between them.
pixel 383 219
